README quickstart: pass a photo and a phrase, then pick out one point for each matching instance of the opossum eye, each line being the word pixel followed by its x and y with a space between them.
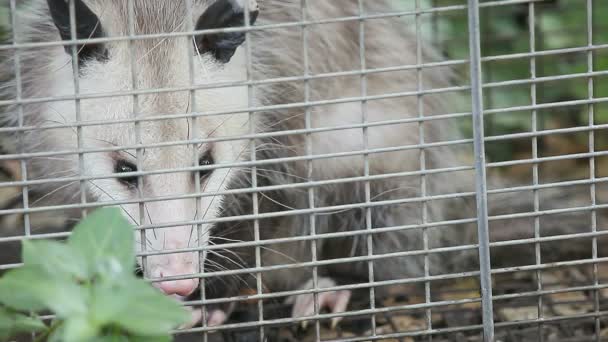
pixel 87 26
pixel 123 166
pixel 206 160
pixel 222 14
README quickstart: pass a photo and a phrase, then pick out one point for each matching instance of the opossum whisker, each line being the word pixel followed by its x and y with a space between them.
pixel 65 173
pixel 234 253
pixel 214 252
pixel 75 194
pixel 231 252
pixel 204 70
pixel 159 43
pixel 221 267
pixel 116 145
pixel 334 212
pixel 65 120
pixel 211 283
pixel 226 239
pixel 113 199
pixel 227 231
pixel 240 264
pixel 272 171
pixel 50 193
pixel 287 119
pixel 52 121
pixel 148 244
pixel 269 150
pixel 262 247
pixel 192 228
pixel 288 147
pixel 216 128
pixel 393 190
pixel 188 121
pixel 277 202
pixel 222 184
pixel 150 219
pixel 206 231
pixel 270 147
pixel 272 250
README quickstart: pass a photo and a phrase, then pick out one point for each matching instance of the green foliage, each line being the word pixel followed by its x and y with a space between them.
pixel 4 22
pixel 88 283
pixel 13 322
pixel 506 30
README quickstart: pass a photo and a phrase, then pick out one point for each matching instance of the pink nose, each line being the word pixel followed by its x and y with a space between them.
pixel 183 287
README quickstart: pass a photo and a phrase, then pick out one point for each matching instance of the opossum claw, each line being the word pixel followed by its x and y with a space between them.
pixel 335 301
pixel 340 302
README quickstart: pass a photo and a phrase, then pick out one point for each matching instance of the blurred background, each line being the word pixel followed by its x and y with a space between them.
pixel 509 32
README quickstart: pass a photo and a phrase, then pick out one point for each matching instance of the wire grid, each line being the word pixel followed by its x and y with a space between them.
pixel 482 303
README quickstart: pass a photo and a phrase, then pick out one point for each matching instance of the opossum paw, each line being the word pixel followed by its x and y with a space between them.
pixel 335 301
pixel 196 315
pixel 214 318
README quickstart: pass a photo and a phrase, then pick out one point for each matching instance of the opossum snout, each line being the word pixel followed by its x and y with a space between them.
pixel 179 265
pixel 183 287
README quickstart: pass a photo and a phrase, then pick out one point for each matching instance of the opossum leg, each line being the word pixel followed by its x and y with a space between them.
pixel 335 301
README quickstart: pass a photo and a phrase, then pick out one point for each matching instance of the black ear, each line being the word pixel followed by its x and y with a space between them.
pixel 222 14
pixel 87 26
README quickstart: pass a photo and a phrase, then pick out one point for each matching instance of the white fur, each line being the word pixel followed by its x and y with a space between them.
pixel 115 75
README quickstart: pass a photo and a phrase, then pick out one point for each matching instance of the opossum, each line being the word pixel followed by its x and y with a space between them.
pixel 373 135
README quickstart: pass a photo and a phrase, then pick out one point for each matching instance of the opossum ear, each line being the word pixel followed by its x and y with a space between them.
pixel 87 26
pixel 223 14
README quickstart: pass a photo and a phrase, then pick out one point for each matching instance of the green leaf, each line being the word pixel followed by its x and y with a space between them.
pixel 4 20
pixel 12 323
pixel 145 310
pixel 78 329
pixel 163 338
pixel 122 338
pixel 54 257
pixel 107 299
pixel 105 235
pixel 23 323
pixel 57 335
pixel 21 289
pixel 30 289
pixel 111 338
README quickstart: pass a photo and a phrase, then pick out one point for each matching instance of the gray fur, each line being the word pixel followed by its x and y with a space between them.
pixel 332 48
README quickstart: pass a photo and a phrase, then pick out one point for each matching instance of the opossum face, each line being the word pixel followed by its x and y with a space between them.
pixel 171 186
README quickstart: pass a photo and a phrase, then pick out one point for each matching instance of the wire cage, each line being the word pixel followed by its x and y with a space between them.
pixel 487 228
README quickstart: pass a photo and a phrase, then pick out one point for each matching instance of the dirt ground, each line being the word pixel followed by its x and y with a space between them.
pixel 568 309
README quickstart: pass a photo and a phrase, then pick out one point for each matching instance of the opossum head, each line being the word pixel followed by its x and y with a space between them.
pixel 169 64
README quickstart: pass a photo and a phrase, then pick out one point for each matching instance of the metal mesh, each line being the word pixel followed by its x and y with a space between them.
pixel 546 297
